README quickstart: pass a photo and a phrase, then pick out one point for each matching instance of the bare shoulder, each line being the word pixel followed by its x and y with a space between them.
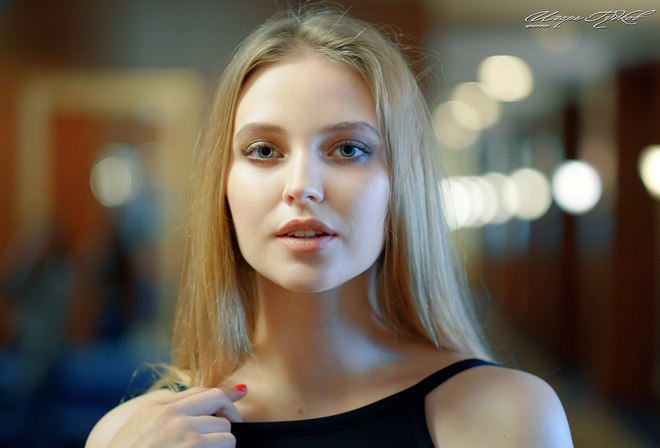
pixel 107 427
pixel 492 406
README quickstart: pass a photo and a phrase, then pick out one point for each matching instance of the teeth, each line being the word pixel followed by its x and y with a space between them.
pixel 304 233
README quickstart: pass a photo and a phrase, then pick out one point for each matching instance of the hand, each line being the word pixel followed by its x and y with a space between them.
pixel 183 419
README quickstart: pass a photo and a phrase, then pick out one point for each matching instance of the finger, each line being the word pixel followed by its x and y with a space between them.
pixel 173 397
pixel 235 393
pixel 207 424
pixel 210 402
pixel 218 440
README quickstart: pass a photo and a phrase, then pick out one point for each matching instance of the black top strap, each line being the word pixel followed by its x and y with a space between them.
pixel 436 379
pixel 400 400
pixel 395 421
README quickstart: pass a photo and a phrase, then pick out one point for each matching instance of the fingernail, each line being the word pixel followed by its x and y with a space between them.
pixel 241 387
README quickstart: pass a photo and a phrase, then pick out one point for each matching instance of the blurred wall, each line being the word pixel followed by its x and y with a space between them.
pixel 139 72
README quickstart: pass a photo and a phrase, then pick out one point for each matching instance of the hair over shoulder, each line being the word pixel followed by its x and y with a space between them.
pixel 420 285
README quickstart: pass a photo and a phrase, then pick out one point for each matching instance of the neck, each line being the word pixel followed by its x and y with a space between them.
pixel 330 333
pixel 324 353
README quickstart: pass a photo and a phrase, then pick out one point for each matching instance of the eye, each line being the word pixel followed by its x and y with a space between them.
pixel 262 151
pixel 350 150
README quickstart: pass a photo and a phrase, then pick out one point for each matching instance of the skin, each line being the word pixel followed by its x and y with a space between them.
pixel 348 359
pixel 306 125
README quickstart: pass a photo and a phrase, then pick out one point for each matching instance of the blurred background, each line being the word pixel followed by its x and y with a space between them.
pixel 549 115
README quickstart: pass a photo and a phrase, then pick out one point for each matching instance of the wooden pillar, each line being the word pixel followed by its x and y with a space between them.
pixel 626 365
pixel 565 341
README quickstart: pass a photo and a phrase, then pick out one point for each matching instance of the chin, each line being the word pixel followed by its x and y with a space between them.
pixel 307 286
pixel 303 281
pixel 310 281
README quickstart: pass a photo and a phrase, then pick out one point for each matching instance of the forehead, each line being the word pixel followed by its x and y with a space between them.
pixel 304 88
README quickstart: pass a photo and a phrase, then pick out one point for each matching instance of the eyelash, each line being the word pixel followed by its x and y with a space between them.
pixel 254 147
pixel 364 149
pixel 359 158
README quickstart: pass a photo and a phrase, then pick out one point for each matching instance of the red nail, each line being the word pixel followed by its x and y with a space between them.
pixel 241 387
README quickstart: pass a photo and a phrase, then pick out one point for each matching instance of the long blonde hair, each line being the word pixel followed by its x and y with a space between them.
pixel 421 289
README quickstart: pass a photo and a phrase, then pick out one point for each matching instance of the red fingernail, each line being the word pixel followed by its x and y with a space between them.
pixel 241 387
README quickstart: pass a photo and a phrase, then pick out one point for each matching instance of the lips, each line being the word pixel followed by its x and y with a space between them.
pixel 305 233
pixel 305 228
pixel 306 236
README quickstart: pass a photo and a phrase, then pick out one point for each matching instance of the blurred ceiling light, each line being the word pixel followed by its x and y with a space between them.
pixel 450 132
pixel 576 187
pixel 485 107
pixel 456 202
pixel 508 196
pixel 490 201
pixel 506 78
pixel 111 181
pixel 465 115
pixel 476 201
pixel 534 193
pixel 560 41
pixel 649 169
pixel 115 179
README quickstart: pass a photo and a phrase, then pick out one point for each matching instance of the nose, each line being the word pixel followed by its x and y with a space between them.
pixel 303 181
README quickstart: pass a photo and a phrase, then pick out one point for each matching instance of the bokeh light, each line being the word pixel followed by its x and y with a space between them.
pixel 115 178
pixel 451 133
pixel 534 193
pixel 495 198
pixel 576 187
pixel 474 94
pixel 489 201
pixel 649 169
pixel 465 115
pixel 456 202
pixel 508 197
pixel 506 78
pixel 475 200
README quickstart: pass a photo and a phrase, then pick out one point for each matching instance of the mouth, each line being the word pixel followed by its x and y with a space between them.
pixel 305 229
pixel 306 236
pixel 306 233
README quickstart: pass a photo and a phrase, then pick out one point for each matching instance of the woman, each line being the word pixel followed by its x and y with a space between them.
pixel 319 270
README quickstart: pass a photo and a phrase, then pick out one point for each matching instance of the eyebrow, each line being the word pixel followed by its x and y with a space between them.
pixel 327 129
pixel 259 127
pixel 349 126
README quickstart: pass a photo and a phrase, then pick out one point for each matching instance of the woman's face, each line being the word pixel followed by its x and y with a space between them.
pixel 308 185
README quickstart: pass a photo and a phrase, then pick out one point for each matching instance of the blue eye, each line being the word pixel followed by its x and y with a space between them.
pixel 351 150
pixel 265 152
pixel 348 150
pixel 262 151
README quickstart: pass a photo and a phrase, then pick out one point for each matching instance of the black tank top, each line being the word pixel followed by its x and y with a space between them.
pixel 395 421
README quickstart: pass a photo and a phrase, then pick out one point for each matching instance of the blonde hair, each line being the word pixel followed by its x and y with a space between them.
pixel 420 287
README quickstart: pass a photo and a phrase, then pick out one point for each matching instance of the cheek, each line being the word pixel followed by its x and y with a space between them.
pixel 370 204
pixel 381 205
pixel 378 191
pixel 231 190
pixel 250 197
pixel 238 199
